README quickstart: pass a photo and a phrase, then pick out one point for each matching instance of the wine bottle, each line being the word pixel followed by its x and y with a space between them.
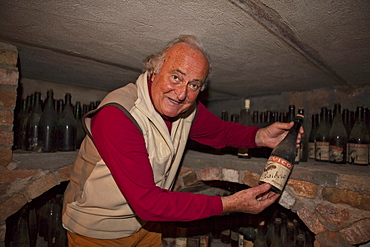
pixel 260 240
pixel 348 124
pixel 303 148
pixel 338 138
pixel 67 129
pixel 255 118
pixel 32 130
pixel 358 143
pixel 225 236
pixel 48 128
pixel 24 121
pixel 225 115
pixel 32 225
pixel 312 136
pixel 290 235
pixel 282 117
pixel 247 235
pixel 300 241
pixel 80 130
pixel 18 124
pixel 299 150
pixel 92 106
pixel 284 230
pixel 322 137
pixel 59 108
pixel 21 237
pixel 291 113
pixel 234 237
pixel 245 119
pixel 276 240
pixel 85 109
pixel 280 162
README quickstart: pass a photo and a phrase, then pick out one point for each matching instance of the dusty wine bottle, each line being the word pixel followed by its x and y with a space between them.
pixel 338 138
pixel 33 124
pixel 280 162
pixel 312 136
pixel 358 143
pixel 322 137
pixel 245 119
pixel 48 126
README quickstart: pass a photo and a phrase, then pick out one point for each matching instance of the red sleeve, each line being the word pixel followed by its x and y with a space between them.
pixel 213 131
pixel 122 147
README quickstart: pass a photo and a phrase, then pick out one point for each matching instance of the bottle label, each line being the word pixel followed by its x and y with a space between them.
pixel 336 154
pixel 322 151
pixel 311 150
pixel 276 172
pixel 358 153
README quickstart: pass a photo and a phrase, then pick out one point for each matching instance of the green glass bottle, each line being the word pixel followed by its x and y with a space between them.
pixel 80 130
pixel 312 136
pixel 48 128
pixel 358 143
pixel 32 130
pixel 260 240
pixel 245 119
pixel 67 129
pixel 322 137
pixel 338 138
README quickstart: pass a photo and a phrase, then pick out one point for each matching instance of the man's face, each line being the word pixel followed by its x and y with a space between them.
pixel 175 89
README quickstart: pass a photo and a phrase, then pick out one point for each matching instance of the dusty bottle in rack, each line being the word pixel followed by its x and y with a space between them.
pixel 276 240
pixel 80 130
pixel 24 121
pixel 245 119
pixel 322 137
pixel 300 241
pixel 280 162
pixel 32 130
pixel 18 124
pixel 260 240
pixel 338 138
pixel 358 143
pixel 299 151
pixel 291 113
pixel 290 235
pixel 247 236
pixel 348 120
pixel 67 127
pixel 48 128
pixel 312 136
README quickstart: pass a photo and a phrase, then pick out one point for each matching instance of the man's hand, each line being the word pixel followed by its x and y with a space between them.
pixel 251 201
pixel 273 134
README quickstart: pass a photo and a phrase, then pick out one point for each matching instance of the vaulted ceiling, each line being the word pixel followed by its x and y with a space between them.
pixel 256 47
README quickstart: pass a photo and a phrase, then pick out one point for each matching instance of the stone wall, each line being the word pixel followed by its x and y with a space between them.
pixel 9 76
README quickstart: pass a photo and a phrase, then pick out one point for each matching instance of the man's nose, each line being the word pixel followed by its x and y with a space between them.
pixel 182 91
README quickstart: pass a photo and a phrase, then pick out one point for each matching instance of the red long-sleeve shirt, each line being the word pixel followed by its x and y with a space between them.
pixel 122 147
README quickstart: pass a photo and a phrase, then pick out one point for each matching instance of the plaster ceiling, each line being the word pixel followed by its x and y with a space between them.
pixel 256 47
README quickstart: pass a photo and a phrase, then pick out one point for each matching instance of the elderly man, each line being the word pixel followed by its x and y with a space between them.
pixel 121 181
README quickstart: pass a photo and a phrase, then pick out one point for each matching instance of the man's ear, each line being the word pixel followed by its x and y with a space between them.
pixel 152 77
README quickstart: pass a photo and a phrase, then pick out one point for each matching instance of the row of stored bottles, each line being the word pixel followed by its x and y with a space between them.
pixel 336 136
pixel 275 227
pixel 50 125
pixel 344 139
pixel 39 222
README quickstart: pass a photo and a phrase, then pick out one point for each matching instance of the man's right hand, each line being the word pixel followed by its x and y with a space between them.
pixel 251 201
